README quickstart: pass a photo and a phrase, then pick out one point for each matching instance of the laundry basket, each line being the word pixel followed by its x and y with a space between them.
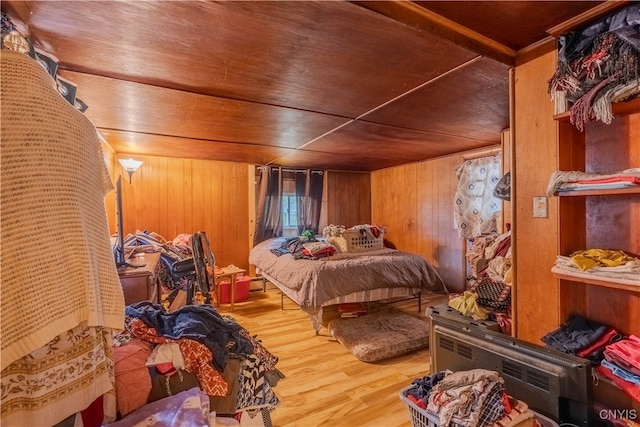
pixel 419 417
pixel 423 418
pixel 356 241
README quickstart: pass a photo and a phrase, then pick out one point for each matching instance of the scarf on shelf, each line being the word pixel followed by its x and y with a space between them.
pixel 600 61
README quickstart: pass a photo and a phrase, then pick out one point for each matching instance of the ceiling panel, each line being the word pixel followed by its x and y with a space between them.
pixel 392 143
pixel 121 105
pixel 333 161
pixel 479 90
pixel 330 57
pixel 358 85
pixel 169 146
pixel 516 24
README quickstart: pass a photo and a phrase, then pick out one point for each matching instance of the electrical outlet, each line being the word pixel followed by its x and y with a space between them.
pixel 540 207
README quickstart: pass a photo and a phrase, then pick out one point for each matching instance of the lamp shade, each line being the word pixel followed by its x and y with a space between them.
pixel 130 165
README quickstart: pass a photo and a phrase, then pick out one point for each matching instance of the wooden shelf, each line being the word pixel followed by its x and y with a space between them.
pixel 628 107
pixel 599 218
pixel 612 192
pixel 598 282
pixel 610 394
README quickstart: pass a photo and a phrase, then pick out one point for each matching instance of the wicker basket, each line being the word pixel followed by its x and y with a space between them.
pixel 355 241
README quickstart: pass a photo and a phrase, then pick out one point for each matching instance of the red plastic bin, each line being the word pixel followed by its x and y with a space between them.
pixel 243 284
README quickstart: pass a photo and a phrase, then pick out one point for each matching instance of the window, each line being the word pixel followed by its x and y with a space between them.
pixel 289 211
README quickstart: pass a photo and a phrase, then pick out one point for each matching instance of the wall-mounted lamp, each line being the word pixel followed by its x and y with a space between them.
pixel 130 166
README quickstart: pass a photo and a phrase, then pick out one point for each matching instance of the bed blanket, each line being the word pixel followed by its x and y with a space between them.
pixel 311 283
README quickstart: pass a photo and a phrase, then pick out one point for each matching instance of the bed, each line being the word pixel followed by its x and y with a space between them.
pixel 345 277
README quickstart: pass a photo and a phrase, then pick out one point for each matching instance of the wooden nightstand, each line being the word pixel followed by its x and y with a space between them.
pixel 139 283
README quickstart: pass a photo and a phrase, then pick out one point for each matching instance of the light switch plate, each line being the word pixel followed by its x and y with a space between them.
pixel 540 207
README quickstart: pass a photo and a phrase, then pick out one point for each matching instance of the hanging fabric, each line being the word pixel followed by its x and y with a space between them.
pixel 502 189
pixel 268 204
pixel 74 281
pixel 309 200
pixel 476 211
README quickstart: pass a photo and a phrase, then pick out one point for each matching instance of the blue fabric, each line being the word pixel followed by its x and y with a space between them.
pixel 421 387
pixel 576 334
pixel 622 373
pixel 200 323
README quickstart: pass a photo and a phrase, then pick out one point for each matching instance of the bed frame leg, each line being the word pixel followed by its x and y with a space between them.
pixel 419 302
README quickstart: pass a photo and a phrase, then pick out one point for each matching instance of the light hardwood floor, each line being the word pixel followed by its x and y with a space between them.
pixel 325 385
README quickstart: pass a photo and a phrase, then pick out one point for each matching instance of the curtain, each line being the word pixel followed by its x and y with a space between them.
pixel 309 199
pixel 269 204
pixel 476 210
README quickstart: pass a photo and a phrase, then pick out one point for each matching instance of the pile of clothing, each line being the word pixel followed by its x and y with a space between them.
pixel 176 269
pixel 488 294
pixel 621 364
pixel 605 264
pixel 304 248
pixel 615 356
pixel 598 65
pixel 582 337
pixel 160 354
pixel 473 398
pixel 563 181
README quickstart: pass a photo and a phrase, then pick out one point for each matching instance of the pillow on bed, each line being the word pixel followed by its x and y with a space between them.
pixel 381 335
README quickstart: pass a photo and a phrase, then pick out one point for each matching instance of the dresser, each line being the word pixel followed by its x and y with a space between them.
pixel 139 282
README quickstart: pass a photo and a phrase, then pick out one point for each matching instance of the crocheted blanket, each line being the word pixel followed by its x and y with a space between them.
pixel 46 386
pixel 56 259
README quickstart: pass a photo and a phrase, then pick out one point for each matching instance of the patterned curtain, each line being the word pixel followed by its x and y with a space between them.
pixel 475 209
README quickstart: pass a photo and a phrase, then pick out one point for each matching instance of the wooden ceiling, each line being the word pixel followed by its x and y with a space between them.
pixel 335 85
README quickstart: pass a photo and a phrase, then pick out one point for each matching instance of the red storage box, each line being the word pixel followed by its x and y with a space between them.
pixel 242 289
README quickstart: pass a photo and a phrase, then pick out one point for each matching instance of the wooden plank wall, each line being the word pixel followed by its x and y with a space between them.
pixel 173 196
pixel 348 198
pixel 415 202
pixel 535 154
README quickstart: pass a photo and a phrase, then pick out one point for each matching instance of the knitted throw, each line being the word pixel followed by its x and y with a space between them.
pixel 56 259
